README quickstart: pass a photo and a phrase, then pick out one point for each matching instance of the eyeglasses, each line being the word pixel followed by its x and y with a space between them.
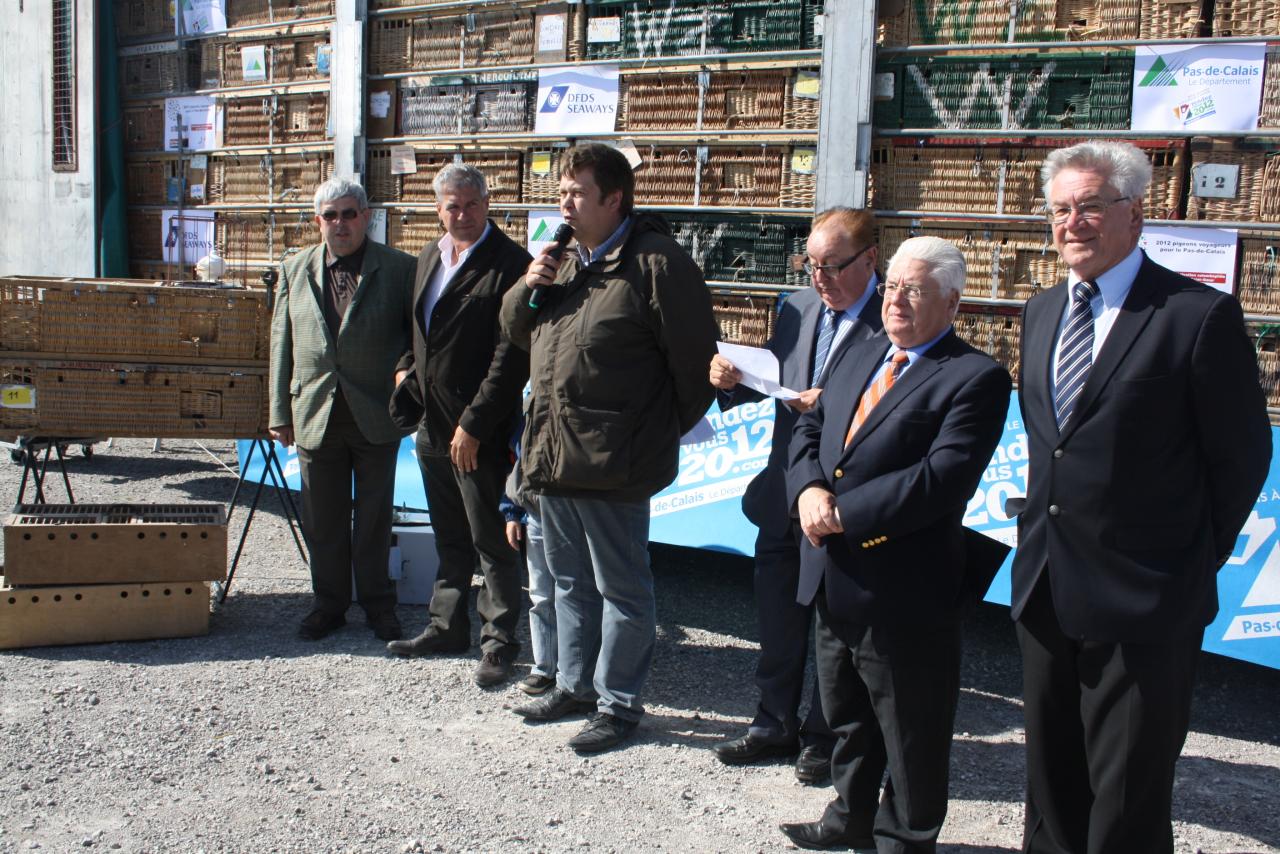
pixel 913 293
pixel 347 215
pixel 1091 211
pixel 832 270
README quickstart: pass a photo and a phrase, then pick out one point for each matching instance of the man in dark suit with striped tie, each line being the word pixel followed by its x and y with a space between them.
pixel 881 470
pixel 1148 443
pixel 814 326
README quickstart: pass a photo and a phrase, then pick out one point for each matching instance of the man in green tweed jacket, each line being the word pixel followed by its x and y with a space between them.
pixel 341 321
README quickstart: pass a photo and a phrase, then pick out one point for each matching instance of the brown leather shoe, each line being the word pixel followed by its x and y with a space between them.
pixel 494 669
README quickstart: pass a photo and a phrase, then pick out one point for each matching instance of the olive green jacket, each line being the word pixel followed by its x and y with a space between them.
pixel 308 365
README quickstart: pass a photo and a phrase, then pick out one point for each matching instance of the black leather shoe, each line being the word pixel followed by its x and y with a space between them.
pixel 602 732
pixel 752 748
pixel 494 669
pixel 816 836
pixel 320 624
pixel 430 641
pixel 554 705
pixel 813 765
pixel 385 626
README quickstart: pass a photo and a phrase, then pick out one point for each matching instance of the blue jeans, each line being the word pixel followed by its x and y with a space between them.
pixel 606 617
pixel 542 602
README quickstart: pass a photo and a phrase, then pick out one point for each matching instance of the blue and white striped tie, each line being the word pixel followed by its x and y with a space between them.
pixel 1075 351
pixel 826 334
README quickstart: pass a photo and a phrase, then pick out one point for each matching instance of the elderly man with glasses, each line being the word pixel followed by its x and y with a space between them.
pixel 814 326
pixel 1148 443
pixel 881 470
pixel 341 322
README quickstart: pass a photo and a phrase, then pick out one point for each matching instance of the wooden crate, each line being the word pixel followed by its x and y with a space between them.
pixel 745 318
pixel 287 60
pixel 995 331
pixel 1269 116
pixel 1258 166
pixel 147 181
pixel 800 109
pixel 1245 17
pixel 1007 262
pixel 459 108
pixel 1091 20
pixel 137 19
pixel 102 613
pixel 275 118
pixel 496 37
pixel 1266 343
pixel 114 543
pixel 246 13
pixel 746 176
pixel 144 234
pixel 994 176
pixel 262 235
pixel 1033 91
pixel 715 100
pixel 502 170
pixel 85 398
pixel 1258 285
pixel 540 177
pixel 166 73
pixel 1173 19
pixel 135 320
pixel 144 127
pixel 266 178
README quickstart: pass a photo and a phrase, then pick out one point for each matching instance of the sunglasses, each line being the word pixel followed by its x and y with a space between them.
pixel 347 215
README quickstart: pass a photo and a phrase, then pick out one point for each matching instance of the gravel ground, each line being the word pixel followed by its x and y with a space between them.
pixel 252 740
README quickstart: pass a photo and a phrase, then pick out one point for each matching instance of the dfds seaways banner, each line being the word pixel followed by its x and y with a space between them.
pixel 702 508
pixel 577 100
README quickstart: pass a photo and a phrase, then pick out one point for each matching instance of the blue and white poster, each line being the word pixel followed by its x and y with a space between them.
pixel 576 100
pixel 702 508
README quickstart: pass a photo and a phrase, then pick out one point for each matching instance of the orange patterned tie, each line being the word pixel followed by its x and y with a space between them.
pixel 878 390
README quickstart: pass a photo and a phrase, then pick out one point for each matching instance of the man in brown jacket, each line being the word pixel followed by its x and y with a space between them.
pixel 618 351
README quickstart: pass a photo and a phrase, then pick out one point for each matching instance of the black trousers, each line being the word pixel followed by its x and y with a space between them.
pixel 784 646
pixel 471 536
pixel 1105 723
pixel 890 695
pixel 336 543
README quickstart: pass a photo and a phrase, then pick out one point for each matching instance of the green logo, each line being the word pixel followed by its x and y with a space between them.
pixel 541 232
pixel 1159 75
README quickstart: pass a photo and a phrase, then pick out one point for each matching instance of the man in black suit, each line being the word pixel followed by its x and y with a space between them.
pixel 814 327
pixel 881 470
pixel 470 377
pixel 1148 441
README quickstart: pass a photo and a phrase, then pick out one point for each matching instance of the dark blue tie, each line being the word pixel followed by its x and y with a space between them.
pixel 826 334
pixel 1075 351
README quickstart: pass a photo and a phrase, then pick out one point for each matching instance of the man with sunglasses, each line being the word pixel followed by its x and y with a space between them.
pixel 1148 443
pixel 814 326
pixel 340 323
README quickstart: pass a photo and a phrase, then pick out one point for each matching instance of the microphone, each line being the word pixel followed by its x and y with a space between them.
pixel 562 237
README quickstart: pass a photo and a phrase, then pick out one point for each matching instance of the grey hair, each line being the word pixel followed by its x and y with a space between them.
pixel 340 188
pixel 460 176
pixel 1126 169
pixel 946 264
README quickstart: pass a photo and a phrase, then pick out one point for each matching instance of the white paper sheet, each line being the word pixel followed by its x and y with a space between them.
pixel 760 370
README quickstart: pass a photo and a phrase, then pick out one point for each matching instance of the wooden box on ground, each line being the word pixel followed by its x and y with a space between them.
pixel 100 613
pixel 115 543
